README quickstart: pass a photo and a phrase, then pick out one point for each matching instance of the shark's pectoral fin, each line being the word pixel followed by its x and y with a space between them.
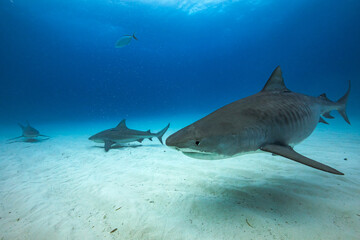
pixel 15 138
pixel 322 120
pixel 108 145
pixel 288 152
pixel 41 135
pixel 150 138
pixel 140 140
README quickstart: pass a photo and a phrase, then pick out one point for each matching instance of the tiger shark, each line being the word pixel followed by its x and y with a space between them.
pixel 122 134
pixel 272 120
pixel 28 132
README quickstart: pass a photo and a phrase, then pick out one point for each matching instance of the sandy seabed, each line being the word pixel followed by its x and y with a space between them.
pixel 67 187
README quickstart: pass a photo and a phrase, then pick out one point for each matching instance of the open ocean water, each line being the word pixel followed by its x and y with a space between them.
pixel 74 68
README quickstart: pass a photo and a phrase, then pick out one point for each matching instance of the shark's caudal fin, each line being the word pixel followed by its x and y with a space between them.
pixel 342 102
pixel 22 126
pixel 134 36
pixel 160 134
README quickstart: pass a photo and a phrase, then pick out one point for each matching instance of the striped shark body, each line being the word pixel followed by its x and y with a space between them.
pixel 273 120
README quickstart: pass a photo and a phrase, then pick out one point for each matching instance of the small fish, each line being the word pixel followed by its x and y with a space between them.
pixel 125 40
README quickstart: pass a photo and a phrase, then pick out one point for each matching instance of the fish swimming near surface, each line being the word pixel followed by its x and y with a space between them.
pixel 28 132
pixel 273 120
pixel 125 40
pixel 122 134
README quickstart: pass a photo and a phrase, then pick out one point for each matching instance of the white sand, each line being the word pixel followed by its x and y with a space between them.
pixel 66 188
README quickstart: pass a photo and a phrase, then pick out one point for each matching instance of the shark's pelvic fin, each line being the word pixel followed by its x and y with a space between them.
pixel 15 138
pixel 108 145
pixel 322 120
pixel 343 103
pixel 328 115
pixel 288 152
pixel 140 140
pixel 122 124
pixel 275 82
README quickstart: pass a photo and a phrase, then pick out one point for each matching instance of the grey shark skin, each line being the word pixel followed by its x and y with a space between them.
pixel 273 120
pixel 28 132
pixel 122 134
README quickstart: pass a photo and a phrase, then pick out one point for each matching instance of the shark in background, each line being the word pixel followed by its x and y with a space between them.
pixel 28 133
pixel 273 120
pixel 122 134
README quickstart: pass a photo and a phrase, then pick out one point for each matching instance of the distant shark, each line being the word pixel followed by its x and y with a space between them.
pixel 28 132
pixel 273 120
pixel 122 134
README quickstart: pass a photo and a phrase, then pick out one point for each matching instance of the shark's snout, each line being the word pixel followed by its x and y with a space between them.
pixel 175 140
pixel 170 141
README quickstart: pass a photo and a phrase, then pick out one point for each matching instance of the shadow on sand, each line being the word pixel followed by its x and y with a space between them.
pixel 273 197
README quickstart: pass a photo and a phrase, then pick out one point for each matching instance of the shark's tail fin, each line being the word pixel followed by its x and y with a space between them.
pixel 342 103
pixel 22 126
pixel 134 36
pixel 160 134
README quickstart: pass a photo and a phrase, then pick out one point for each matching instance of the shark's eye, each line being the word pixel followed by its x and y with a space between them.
pixel 197 142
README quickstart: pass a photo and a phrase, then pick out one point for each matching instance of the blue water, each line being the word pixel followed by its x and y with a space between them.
pixel 59 62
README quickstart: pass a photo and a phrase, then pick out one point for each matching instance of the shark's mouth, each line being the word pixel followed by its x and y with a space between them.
pixel 193 153
pixel 204 155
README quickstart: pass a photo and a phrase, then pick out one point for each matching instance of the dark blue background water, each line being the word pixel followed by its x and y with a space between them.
pixel 59 61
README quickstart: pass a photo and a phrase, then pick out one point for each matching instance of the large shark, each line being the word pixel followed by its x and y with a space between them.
pixel 28 132
pixel 122 134
pixel 273 120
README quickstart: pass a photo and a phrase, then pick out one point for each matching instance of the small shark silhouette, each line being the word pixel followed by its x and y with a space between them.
pixel 122 134
pixel 28 132
pixel 273 120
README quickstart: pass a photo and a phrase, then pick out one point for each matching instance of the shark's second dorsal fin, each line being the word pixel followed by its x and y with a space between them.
pixel 275 82
pixel 122 124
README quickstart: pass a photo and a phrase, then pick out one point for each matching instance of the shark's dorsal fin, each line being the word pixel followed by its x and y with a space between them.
pixel 122 124
pixel 148 131
pixel 275 82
